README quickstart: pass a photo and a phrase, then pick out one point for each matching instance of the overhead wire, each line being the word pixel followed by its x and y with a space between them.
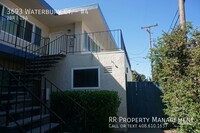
pixel 173 21
pixel 176 22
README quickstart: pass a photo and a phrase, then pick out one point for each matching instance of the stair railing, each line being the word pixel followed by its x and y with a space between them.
pixel 18 98
pixel 13 34
pixel 55 47
pixel 76 112
pixel 13 119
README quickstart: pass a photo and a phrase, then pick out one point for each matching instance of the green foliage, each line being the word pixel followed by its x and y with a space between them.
pixel 138 77
pixel 99 105
pixel 176 62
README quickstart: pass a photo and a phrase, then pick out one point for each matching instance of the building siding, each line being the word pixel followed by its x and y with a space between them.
pixel 116 81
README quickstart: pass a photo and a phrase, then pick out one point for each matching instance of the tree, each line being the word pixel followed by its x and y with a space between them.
pixel 138 77
pixel 177 69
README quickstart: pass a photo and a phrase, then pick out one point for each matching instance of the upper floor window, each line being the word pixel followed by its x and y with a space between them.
pixel 38 33
pixel 89 43
pixel 10 22
pixel 17 26
pixel 85 40
pixel 1 9
pixel 21 29
pixel 28 31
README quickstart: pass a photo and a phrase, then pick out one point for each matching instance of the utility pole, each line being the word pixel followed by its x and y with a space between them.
pixel 148 29
pixel 182 14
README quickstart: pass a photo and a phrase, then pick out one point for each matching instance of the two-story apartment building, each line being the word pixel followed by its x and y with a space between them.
pixel 73 48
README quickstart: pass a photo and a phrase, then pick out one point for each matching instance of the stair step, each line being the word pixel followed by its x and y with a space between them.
pixel 3 113
pixel 15 86
pixel 50 57
pixel 39 66
pixel 40 71
pixel 44 128
pixel 44 62
pixel 26 79
pixel 16 101
pixel 28 120
pixel 13 93
pixel 28 74
pixel 58 55
pixel 37 69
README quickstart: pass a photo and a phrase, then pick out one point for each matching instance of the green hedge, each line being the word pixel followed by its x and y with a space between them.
pixel 99 105
pixel 176 63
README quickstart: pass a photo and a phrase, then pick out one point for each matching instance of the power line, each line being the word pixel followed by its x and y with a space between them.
pixel 148 29
pixel 176 22
pixel 178 18
pixel 173 21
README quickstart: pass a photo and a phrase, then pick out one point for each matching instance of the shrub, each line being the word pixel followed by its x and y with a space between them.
pixel 99 105
pixel 177 69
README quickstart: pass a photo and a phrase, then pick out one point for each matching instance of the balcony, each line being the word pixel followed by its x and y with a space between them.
pixel 102 41
pixel 18 34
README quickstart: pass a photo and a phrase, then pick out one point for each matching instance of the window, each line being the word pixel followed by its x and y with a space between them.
pixel 17 26
pixel 28 31
pixel 83 78
pixel 38 32
pixel 1 9
pixel 10 22
pixel 86 40
pixel 90 44
pixel 21 28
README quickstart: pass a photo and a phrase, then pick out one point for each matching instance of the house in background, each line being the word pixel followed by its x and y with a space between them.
pixel 72 49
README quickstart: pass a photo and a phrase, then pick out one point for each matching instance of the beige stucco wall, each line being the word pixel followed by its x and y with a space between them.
pixel 64 29
pixel 61 74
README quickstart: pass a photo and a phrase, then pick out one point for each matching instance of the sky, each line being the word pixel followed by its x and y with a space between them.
pixel 131 15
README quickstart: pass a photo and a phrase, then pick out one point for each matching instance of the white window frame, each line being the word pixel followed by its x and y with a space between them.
pixel 83 68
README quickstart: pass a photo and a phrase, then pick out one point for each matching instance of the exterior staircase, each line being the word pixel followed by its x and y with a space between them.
pixel 24 107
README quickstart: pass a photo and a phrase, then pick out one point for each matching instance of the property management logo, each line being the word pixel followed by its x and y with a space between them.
pixel 144 122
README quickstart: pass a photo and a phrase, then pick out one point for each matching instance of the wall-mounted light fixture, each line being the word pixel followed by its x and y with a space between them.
pixel 69 31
